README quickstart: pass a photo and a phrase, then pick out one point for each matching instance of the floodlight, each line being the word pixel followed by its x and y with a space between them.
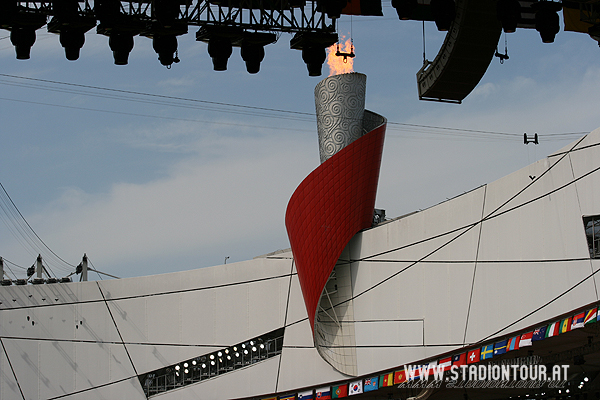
pixel 252 54
pixel 121 44
pixel 404 8
pixel 23 39
pixel 166 47
pixel 509 13
pixel 547 22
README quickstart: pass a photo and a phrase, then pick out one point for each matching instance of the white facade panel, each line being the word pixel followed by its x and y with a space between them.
pixel 585 167
pixel 549 228
pixel 416 235
pixel 259 379
pixel 210 277
pixel 299 334
pixel 389 333
pixel 504 292
pixel 9 388
pixel 93 322
pixel 129 389
pixel 302 368
pixel 296 310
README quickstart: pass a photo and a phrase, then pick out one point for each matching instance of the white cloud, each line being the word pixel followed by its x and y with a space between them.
pixel 200 211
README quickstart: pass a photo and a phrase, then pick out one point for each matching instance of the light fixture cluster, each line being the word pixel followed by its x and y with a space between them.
pixel 246 24
pixel 213 364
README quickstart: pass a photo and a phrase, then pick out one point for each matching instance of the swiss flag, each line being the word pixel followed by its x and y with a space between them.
pixel 473 356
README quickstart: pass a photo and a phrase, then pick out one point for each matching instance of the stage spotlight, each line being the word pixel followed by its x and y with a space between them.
pixel 547 22
pixel 333 8
pixel 313 47
pixel 314 57
pixel 219 49
pixel 121 44
pixel 404 8
pixel 509 13
pixel 252 54
pixel 72 41
pixel 23 39
pixel 166 47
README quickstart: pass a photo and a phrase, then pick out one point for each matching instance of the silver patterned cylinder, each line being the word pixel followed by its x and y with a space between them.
pixel 340 106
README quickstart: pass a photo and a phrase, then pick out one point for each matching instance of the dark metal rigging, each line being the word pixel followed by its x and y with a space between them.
pixel 249 24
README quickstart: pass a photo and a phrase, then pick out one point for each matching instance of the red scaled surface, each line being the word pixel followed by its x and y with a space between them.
pixel 329 207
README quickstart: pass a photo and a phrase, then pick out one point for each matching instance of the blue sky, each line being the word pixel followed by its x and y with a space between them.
pixel 145 187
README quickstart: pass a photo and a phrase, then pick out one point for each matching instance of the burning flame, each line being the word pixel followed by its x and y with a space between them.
pixel 342 64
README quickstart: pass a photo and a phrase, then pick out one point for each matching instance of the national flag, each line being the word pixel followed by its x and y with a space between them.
pixel 553 329
pixel 270 398
pixel 355 387
pixel 446 363
pixel 539 334
pixel 577 321
pixel 413 372
pixel 474 356
pixel 525 339
pixel 459 359
pixel 513 343
pixel 308 395
pixel 487 352
pixel 337 392
pixel 399 377
pixel 565 325
pixel 323 393
pixel 591 316
pixel 500 347
pixel 371 384
pixel 387 379
pixel 289 397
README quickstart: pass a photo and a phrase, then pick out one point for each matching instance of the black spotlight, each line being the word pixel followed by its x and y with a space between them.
pixel 23 39
pixel 443 12
pixel 313 47
pixel 509 13
pixel 333 8
pixel 314 57
pixel 70 26
pixel 547 22
pixel 252 54
pixel 166 47
pixel 72 40
pixel 219 49
pixel 404 8
pixel 121 44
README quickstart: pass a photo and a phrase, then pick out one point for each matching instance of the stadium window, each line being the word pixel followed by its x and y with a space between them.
pixel 592 233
